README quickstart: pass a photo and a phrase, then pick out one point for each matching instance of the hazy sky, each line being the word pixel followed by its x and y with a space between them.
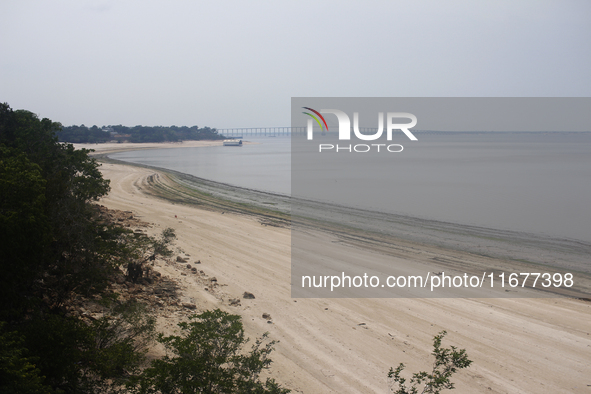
pixel 238 63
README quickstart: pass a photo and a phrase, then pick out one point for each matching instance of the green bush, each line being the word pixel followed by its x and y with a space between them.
pixel 208 358
pixel 447 362
pixel 120 340
pixel 18 373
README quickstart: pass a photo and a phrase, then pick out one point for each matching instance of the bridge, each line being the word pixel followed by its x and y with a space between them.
pixel 272 131
pixel 261 131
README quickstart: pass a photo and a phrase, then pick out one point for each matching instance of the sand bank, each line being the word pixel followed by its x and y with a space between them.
pixel 111 147
pixel 348 345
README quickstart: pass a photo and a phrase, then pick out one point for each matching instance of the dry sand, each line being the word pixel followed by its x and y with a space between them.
pixel 348 345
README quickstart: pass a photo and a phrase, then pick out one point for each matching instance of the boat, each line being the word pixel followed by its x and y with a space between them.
pixel 232 142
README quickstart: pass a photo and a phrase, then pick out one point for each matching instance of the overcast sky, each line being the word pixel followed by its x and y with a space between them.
pixel 238 63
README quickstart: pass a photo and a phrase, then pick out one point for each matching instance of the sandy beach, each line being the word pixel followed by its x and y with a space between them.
pixel 348 345
pixel 112 147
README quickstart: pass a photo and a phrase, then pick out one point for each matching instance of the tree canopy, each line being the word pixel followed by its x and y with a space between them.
pixel 94 134
pixel 208 357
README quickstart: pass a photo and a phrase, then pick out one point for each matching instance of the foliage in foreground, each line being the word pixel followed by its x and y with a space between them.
pixel 18 373
pixel 209 358
pixel 56 248
pixel 447 362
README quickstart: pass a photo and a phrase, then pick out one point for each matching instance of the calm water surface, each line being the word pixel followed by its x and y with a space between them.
pixel 534 183
pixel 264 165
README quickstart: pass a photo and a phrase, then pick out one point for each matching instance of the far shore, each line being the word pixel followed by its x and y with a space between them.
pixel 112 147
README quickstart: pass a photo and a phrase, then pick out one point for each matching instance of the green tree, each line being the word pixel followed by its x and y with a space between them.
pixel 48 229
pixel 120 340
pixel 145 249
pixel 18 373
pixel 208 358
pixel 23 228
pixel 54 247
pixel 77 357
pixel 447 362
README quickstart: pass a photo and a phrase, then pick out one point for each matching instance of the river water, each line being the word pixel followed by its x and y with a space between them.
pixel 263 165
pixel 534 183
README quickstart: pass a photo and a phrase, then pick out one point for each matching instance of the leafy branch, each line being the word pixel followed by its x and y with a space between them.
pixel 447 362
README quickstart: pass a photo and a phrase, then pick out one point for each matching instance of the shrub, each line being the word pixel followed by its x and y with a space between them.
pixel 18 373
pixel 208 358
pixel 447 362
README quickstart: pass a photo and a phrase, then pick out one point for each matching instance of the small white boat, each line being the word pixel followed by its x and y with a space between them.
pixel 232 142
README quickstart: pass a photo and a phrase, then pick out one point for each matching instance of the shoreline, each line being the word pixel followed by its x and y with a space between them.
pixel 112 147
pixel 178 187
pixel 348 345
pixel 455 247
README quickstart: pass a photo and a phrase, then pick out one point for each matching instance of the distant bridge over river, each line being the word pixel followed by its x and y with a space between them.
pixel 261 131
pixel 270 131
